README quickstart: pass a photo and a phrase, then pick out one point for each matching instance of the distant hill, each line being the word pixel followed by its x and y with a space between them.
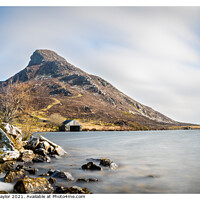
pixel 60 87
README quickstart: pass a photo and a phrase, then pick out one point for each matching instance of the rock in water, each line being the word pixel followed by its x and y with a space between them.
pixel 14 175
pixel 52 180
pixel 40 158
pixel 72 190
pixel 87 180
pixel 64 175
pixel 33 186
pixel 108 163
pixel 58 150
pixel 91 166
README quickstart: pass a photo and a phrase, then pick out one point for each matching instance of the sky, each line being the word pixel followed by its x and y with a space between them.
pixel 152 54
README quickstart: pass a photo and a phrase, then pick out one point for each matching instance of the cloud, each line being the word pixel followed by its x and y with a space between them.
pixel 149 53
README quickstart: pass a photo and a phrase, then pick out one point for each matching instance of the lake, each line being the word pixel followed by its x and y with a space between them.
pixel 149 161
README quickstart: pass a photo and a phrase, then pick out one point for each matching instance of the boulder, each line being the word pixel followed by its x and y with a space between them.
pixel 15 135
pixel 32 143
pixel 63 175
pixel 113 166
pixel 108 163
pixel 58 150
pixel 12 130
pixel 31 170
pixel 33 186
pixel 9 155
pixel 91 166
pixel 7 149
pixel 40 158
pixel 44 174
pixel 44 145
pixel 27 156
pixel 8 165
pixel 72 190
pixel 41 151
pixel 51 171
pixel 52 180
pixel 87 180
pixel 14 175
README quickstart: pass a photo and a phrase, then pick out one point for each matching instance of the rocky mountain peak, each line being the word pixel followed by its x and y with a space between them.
pixel 45 55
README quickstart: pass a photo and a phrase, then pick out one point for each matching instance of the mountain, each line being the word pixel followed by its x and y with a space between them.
pixel 60 87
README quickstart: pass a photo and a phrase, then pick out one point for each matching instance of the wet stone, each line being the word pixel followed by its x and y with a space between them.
pixel 41 151
pixel 82 180
pixel 31 170
pixel 152 176
pixel 14 175
pixel 44 174
pixel 26 156
pixel 72 190
pixel 63 175
pixel 91 166
pixel 51 171
pixel 40 158
pixel 108 163
pixel 87 180
pixel 33 186
pixel 52 180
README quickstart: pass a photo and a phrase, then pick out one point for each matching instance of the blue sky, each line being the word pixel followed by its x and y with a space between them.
pixel 149 53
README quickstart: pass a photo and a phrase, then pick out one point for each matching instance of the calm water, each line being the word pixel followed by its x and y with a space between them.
pixel 173 157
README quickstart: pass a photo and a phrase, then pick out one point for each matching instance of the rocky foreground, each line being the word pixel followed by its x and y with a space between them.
pixel 17 160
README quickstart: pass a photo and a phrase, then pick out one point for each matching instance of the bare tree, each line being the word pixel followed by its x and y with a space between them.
pixel 12 98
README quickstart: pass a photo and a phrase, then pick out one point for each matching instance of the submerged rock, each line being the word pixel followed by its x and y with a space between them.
pixel 72 190
pixel 108 163
pixel 33 186
pixel 44 174
pixel 31 170
pixel 152 176
pixel 51 171
pixel 87 180
pixel 14 175
pixel 91 166
pixel 64 175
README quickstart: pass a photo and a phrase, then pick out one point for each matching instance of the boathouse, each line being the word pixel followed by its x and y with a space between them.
pixel 70 125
